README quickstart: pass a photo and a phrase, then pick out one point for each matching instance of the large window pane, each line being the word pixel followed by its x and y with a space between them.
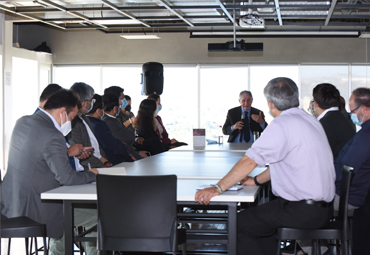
pixel 65 76
pixel 180 102
pixel 312 75
pixel 261 75
pixel 219 91
pixel 360 76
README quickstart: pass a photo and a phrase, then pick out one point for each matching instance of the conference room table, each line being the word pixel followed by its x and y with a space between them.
pixel 186 188
pixel 193 168
pixel 224 147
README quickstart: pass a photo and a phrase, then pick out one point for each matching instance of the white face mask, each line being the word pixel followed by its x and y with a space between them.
pixel 66 127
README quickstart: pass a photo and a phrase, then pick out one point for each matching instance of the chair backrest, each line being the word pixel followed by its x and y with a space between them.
pixel 343 202
pixel 136 213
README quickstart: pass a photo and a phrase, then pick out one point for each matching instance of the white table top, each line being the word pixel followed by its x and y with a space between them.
pixel 186 190
pixel 203 154
pixel 228 147
pixel 184 167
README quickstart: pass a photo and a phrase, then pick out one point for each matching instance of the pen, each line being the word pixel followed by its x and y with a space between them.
pixel 89 166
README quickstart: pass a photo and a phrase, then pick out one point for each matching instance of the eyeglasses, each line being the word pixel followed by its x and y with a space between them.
pixel 92 100
pixel 354 109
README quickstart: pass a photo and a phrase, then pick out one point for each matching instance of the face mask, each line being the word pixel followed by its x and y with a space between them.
pixel 124 103
pixel 88 110
pixel 101 117
pixel 311 109
pixel 355 119
pixel 117 112
pixel 128 108
pixel 66 127
pixel 159 108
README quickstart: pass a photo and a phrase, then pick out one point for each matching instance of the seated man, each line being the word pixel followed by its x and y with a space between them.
pixel 300 168
pixel 82 131
pixel 112 109
pixel 242 121
pixel 43 166
pixel 337 127
pixel 115 150
pixel 356 153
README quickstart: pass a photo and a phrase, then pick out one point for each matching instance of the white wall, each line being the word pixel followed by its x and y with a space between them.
pixel 83 47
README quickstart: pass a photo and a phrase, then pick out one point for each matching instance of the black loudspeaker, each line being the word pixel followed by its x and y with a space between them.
pixel 152 78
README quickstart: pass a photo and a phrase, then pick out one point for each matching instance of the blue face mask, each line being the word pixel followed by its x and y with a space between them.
pixel 355 119
pixel 124 103
pixel 159 108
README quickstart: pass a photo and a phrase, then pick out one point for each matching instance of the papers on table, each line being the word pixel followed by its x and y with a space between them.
pixel 112 171
pixel 232 188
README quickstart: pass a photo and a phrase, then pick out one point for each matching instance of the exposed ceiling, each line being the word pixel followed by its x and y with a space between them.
pixel 200 18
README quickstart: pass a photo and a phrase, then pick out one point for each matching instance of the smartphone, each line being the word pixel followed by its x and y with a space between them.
pixel 90 150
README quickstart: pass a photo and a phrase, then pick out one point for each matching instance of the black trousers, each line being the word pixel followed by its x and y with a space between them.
pixel 154 145
pixel 257 225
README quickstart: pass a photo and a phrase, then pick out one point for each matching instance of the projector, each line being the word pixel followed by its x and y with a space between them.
pixel 240 45
pixel 251 21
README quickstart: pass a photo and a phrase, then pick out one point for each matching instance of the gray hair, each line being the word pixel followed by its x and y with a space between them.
pixel 245 92
pixel 282 92
pixel 362 96
pixel 83 90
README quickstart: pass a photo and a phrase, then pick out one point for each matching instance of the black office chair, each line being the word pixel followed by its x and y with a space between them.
pixel 138 214
pixel 23 227
pixel 335 230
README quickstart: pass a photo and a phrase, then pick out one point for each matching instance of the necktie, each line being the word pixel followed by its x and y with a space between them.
pixel 71 159
pixel 245 129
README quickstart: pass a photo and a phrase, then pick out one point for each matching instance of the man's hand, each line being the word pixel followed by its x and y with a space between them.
pixel 173 141
pixel 94 170
pixel 75 150
pixel 140 140
pixel 249 181
pixel 258 118
pixel 143 154
pixel 204 196
pixel 84 155
pixel 238 125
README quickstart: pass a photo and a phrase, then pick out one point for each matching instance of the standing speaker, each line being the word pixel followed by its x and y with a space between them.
pixel 152 78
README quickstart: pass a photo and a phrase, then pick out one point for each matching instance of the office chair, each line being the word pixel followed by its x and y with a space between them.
pixel 23 227
pixel 138 214
pixel 335 230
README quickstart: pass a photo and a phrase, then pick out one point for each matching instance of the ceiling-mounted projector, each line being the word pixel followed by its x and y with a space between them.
pixel 251 21
pixel 240 45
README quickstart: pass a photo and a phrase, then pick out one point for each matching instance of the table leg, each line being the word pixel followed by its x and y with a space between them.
pixel 68 227
pixel 232 228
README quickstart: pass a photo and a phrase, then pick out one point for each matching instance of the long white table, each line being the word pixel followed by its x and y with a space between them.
pixel 185 167
pixel 186 189
pixel 226 147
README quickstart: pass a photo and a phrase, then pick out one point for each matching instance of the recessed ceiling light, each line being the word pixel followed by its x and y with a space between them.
pixel 140 37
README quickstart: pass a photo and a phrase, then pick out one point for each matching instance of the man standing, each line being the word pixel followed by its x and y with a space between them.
pixel 38 162
pixel 356 153
pixel 300 168
pixel 242 121
pixel 337 127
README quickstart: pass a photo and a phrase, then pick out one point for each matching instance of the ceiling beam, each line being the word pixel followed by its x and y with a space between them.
pixel 4 8
pixel 76 14
pixel 331 10
pixel 278 13
pixel 226 12
pixel 175 12
pixel 114 7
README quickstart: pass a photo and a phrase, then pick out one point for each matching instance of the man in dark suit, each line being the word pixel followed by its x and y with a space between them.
pixel 38 162
pixel 337 128
pixel 243 120
pixel 115 150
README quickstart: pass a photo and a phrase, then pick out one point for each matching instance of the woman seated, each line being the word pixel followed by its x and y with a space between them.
pixel 161 130
pixel 145 127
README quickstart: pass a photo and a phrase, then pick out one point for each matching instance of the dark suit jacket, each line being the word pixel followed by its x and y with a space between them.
pixel 38 162
pixel 123 134
pixel 114 149
pixel 233 116
pixel 338 130
pixel 80 135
